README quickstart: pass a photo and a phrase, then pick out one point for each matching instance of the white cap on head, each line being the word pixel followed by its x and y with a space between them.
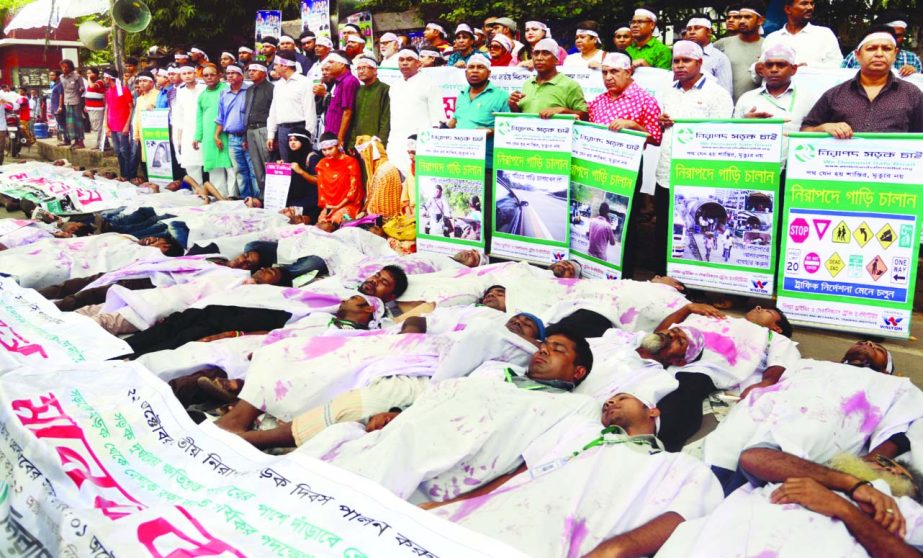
pixel 197 51
pixel 547 45
pixel 687 49
pixel 228 54
pixel 280 61
pixel 245 49
pixel 162 72
pixel 286 39
pixel 186 68
pixel 388 38
pixel 699 22
pixel 779 51
pixel 234 68
pixel 324 42
pixel 478 58
pixel 355 39
pixel 430 53
pixel 623 28
pixel 258 68
pixel 366 61
pixel 504 41
pixel 407 51
pixel 336 57
pixel 437 27
pixel 897 24
pixel 172 70
pixel 617 61
pixel 646 14
pixel 589 32
pixel 879 36
pixel 464 28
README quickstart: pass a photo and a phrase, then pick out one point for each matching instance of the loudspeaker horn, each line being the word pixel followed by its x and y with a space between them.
pixel 131 15
pixel 93 35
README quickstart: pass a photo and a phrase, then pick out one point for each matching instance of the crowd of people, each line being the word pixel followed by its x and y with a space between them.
pixel 559 414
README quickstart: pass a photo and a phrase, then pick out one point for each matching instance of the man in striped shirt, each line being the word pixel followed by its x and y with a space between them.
pixel 95 97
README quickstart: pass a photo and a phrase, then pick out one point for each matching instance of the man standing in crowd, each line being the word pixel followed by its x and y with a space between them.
pixel 692 95
pixel 232 120
pixel 184 123
pixel 647 50
pixel 744 48
pixel 463 46
pixel 373 104
pixel 308 41
pixel 814 46
pixel 302 64
pixel 355 46
pixel 292 104
pixel 698 30
pixel 96 108
pixel 198 59
pixel 388 46
pixel 549 92
pixel 415 105
pixel 119 102
pixel 166 99
pixel 344 85
pixel 147 100
pixel 875 100
pixel 731 21
pixel 131 71
pixel 435 36
pixel 71 107
pixel 215 158
pixel 57 94
pixel 507 27
pixel 475 106
pixel 244 56
pixel 906 62
pixel 777 97
pixel 269 46
pixel 256 112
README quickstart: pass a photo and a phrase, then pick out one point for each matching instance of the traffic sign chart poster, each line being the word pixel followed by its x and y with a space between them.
pixel 849 254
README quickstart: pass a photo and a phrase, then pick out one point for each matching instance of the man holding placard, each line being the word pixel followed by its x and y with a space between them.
pixel 873 101
pixel 475 107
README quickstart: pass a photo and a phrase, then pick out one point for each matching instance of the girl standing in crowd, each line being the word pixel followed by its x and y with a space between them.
pixel 500 49
pixel 302 190
pixel 589 54
pixel 535 32
pixel 339 182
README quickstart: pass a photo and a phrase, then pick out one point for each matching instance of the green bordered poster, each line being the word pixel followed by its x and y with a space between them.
pixel 852 223
pixel 155 141
pixel 450 190
pixel 724 178
pixel 603 173
pixel 531 187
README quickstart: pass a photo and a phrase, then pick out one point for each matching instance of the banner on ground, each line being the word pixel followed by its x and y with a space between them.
pixel 450 168
pixel 603 172
pixel 34 332
pixel 531 187
pixel 155 141
pixel 278 181
pixel 62 190
pixel 724 177
pixel 315 17
pixel 849 253
pixel 101 460
pixel 268 24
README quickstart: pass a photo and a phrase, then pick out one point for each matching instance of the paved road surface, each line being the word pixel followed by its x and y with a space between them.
pixel 542 205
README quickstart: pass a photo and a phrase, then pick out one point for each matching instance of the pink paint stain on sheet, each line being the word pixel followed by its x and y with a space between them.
pixel 722 345
pixel 281 390
pixel 578 532
pixel 628 316
pixel 474 504
pixel 859 404
pixel 317 346
pixel 766 554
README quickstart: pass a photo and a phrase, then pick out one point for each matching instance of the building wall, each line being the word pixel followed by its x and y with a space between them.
pixel 32 62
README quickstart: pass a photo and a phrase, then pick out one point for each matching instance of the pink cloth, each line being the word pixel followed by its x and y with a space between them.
pixel 633 104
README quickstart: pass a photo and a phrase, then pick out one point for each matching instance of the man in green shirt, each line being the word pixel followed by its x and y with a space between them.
pixel 646 50
pixel 476 106
pixel 373 104
pixel 549 92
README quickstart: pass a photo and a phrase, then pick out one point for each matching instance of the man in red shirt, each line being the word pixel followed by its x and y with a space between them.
pixel 96 108
pixel 25 117
pixel 119 101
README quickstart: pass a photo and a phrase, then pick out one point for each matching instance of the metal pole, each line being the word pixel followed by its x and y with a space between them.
pixel 118 38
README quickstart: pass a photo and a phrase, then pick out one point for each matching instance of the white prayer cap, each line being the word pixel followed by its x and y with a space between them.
pixel 437 27
pixel 324 41
pixel 699 22
pixel 478 58
pixel 779 51
pixel 897 24
pixel 228 54
pixel 388 38
pixel 617 61
pixel 286 39
pixel 879 36
pixel 408 51
pixel 505 42
pixel 258 68
pixel 335 57
pixel 464 28
pixel 366 61
pixel 547 45
pixel 172 70
pixel 197 51
pixel 589 32
pixel 245 49
pixel 622 28
pixel 234 68
pixel 431 53
pixel 355 39
pixel 687 49
pixel 646 14
pixel 187 68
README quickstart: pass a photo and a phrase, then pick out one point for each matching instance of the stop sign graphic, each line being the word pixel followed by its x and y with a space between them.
pixel 798 230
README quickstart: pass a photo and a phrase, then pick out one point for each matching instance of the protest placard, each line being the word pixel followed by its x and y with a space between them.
pixel 278 181
pixel 155 141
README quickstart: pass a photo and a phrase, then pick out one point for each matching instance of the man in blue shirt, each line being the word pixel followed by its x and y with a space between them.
pixel 475 106
pixel 57 91
pixel 232 120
